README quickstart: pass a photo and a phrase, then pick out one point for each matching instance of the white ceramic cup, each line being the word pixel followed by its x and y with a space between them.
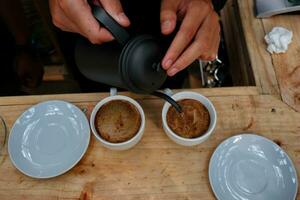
pixel 189 95
pixel 122 145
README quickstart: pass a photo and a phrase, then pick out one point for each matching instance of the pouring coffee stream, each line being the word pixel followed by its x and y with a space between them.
pixel 168 99
pixel 136 68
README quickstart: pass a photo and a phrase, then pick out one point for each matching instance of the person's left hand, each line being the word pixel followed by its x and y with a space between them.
pixel 198 36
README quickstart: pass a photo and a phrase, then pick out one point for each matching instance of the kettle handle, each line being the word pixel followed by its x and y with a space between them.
pixel 120 34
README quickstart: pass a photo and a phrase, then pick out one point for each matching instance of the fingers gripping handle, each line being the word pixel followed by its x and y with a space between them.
pixel 108 22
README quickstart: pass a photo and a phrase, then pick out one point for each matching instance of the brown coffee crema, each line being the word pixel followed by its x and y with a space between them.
pixel 117 121
pixel 192 122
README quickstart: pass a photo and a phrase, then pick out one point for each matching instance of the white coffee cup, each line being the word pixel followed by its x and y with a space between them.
pixel 122 145
pixel 198 97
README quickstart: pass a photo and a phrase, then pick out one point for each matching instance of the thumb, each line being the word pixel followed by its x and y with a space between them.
pixel 168 16
pixel 114 8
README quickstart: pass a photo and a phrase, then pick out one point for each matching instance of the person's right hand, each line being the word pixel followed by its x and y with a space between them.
pixel 76 16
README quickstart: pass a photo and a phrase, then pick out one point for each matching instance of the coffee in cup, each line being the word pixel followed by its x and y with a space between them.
pixel 133 120
pixel 117 121
pixel 192 122
pixel 198 135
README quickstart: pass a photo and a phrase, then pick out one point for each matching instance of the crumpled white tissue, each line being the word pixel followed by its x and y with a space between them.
pixel 278 40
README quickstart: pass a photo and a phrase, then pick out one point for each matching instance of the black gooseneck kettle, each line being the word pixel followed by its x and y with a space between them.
pixel 137 68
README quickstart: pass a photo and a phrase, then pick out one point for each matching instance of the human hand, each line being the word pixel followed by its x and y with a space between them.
pixel 76 16
pixel 198 36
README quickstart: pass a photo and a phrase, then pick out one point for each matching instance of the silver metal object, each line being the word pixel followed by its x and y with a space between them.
pixel 209 72
pixel 268 8
pixel 202 65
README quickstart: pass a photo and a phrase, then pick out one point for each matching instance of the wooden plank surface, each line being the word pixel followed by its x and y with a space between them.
pixel 261 61
pixel 225 91
pixel 54 73
pixel 238 56
pixel 156 168
pixel 287 65
pixel 279 70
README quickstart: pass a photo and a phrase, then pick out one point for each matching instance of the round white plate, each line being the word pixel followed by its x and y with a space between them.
pixel 251 167
pixel 48 139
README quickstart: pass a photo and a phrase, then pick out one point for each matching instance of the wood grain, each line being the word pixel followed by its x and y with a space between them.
pixel 54 73
pixel 277 74
pixel 225 91
pixel 239 61
pixel 261 61
pixel 156 168
pixel 287 65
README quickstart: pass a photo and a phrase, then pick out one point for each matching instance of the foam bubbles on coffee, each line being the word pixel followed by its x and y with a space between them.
pixel 192 122
pixel 117 121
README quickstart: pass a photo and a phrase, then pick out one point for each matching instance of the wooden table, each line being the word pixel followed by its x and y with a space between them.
pixel 156 168
pixel 277 74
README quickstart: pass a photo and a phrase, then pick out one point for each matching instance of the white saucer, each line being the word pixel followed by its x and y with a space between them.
pixel 251 167
pixel 48 139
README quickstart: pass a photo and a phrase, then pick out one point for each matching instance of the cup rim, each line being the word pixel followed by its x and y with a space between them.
pixel 212 115
pixel 111 98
